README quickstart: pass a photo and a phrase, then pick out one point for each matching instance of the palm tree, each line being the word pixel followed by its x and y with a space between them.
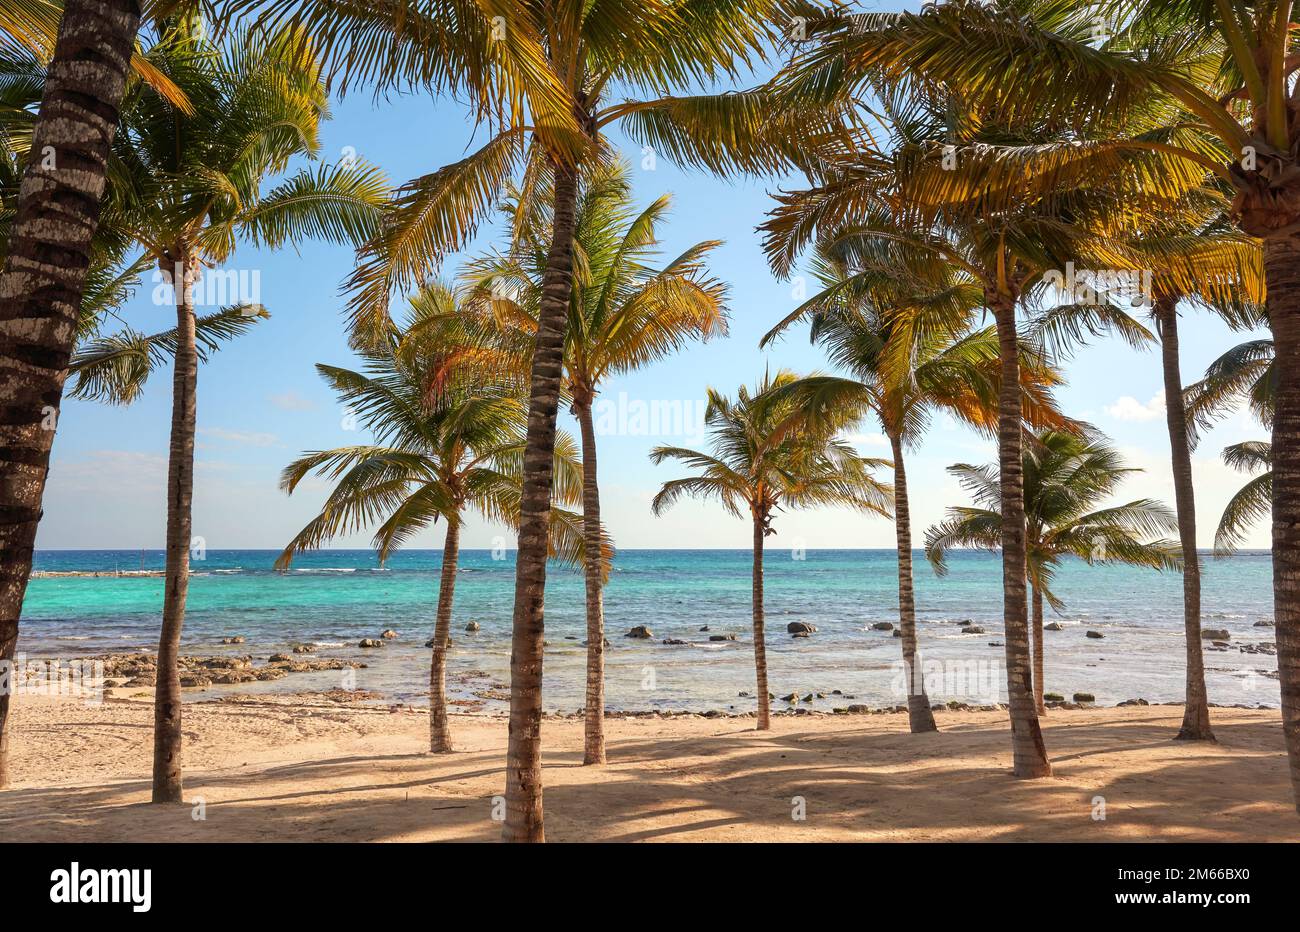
pixel 1252 501
pixel 1246 372
pixel 1010 240
pixel 914 351
pixel 774 448
pixel 1195 244
pixel 1226 81
pixel 550 80
pixel 445 441
pixel 624 313
pixel 44 275
pixel 191 188
pixel 1066 478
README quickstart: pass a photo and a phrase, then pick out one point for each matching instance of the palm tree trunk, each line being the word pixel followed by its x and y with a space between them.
pixel 919 715
pixel 180 497
pixel 523 820
pixel 43 277
pixel 1038 649
pixel 439 735
pixel 1029 754
pixel 1282 268
pixel 760 642
pixel 1196 711
pixel 594 714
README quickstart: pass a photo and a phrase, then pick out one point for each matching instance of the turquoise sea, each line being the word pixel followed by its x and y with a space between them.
pixel 334 598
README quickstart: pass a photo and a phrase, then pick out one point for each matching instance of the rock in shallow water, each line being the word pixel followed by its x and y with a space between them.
pixel 641 632
pixel 370 642
pixel 800 627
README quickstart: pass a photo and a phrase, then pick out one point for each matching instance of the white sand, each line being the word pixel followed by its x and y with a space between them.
pixel 306 769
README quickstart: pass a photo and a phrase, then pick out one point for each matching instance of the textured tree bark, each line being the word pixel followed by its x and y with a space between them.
pixel 439 734
pixel 594 708
pixel 1282 268
pixel 43 277
pixel 1038 649
pixel 1029 754
pixel 1196 711
pixel 167 704
pixel 919 715
pixel 760 642
pixel 523 821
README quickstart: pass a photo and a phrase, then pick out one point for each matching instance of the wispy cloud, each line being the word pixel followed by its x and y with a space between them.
pixel 248 438
pixel 1129 408
pixel 291 401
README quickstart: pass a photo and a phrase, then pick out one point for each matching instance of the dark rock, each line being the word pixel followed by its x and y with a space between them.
pixel 1215 634
pixel 389 635
pixel 792 697
pixel 304 649
pixel 1084 697
pixel 373 642
pixel 723 637
pixel 704 628
pixel 278 658
pixel 1132 702
pixel 473 626
pixel 1053 697
pixel 675 641
pixel 898 632
pixel 972 629
pixel 641 632
pixel 882 626
pixel 1094 634
pixel 797 627
pixel 237 639
pixel 1053 626
pixel 1265 624
pixel 801 634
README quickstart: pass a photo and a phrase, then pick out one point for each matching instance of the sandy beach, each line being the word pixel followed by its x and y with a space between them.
pixel 307 768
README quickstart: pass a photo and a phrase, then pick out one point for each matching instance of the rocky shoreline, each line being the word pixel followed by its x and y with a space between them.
pixel 141 670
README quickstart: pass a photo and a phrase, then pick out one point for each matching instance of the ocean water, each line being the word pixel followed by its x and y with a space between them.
pixel 334 598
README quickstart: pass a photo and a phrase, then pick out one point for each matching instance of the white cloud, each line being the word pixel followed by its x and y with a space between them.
pixel 866 440
pixel 1129 408
pixel 249 438
pixel 291 401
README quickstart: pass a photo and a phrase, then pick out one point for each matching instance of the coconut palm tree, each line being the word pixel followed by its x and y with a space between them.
pixel 1066 478
pixel 1253 501
pixel 1224 73
pixel 775 448
pixel 44 272
pixel 624 313
pixel 915 351
pixel 445 441
pixel 1247 372
pixel 550 80
pixel 190 189
pixel 1015 203
pixel 1196 243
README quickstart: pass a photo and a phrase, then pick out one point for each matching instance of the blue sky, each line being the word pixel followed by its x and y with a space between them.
pixel 260 402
